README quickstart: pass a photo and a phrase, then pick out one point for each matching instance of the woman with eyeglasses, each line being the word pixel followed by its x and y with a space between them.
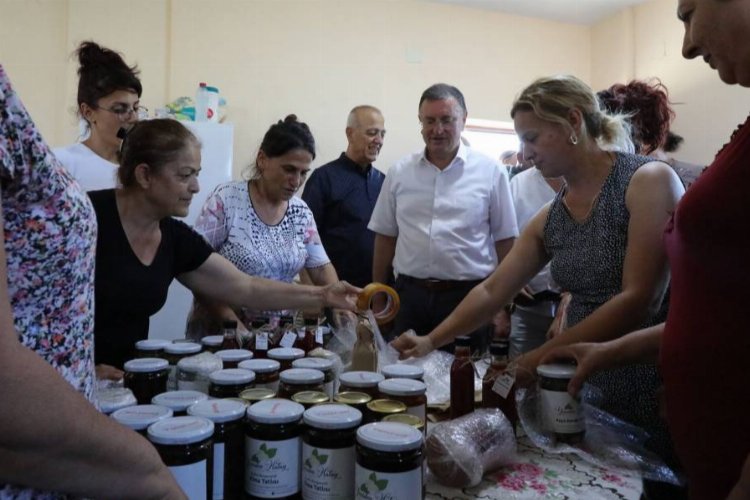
pixel 109 93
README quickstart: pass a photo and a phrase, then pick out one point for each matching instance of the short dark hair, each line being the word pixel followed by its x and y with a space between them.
pixel 154 142
pixel 103 71
pixel 287 135
pixel 441 91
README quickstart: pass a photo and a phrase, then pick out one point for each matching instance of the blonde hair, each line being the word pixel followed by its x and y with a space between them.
pixel 552 98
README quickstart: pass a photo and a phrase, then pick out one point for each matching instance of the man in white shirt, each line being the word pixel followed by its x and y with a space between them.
pixel 443 220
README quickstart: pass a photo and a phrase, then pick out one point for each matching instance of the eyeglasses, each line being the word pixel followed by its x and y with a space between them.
pixel 445 122
pixel 124 112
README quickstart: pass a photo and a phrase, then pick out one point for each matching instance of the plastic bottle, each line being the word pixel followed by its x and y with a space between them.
pixel 201 103
pixel 462 379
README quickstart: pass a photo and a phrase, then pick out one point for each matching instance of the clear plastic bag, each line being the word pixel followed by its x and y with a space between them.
pixel 461 451
pixel 608 442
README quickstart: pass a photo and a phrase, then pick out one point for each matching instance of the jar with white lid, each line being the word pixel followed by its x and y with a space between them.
pixel 233 357
pixel 146 377
pixel 285 355
pixel 412 393
pixel 111 399
pixel 328 452
pixel 266 372
pixel 230 382
pixel 212 343
pixel 361 381
pixel 562 414
pixel 179 401
pixel 389 462
pixel 150 348
pixel 229 444
pixel 193 371
pixel 185 446
pixel 139 417
pixel 403 370
pixel 322 364
pixel 173 353
pixel 296 380
pixel 272 449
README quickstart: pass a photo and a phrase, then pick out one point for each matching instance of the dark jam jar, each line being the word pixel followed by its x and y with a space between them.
pixel 361 381
pixel 229 444
pixel 233 357
pixel 562 413
pixel 173 353
pixel 150 348
pixel 139 417
pixel 266 372
pixel 412 393
pixel 322 364
pixel 272 449
pixel 297 380
pixel 212 343
pixel 328 452
pixel 389 462
pixel 179 401
pixel 285 356
pixel 230 382
pixel 403 370
pixel 184 445
pixel 146 377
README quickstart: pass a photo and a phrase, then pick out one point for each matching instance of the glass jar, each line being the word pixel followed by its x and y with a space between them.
pixel 408 419
pixel 112 399
pixel 212 343
pixel 389 462
pixel 184 445
pixel 412 393
pixel 377 409
pixel 562 413
pixel 146 377
pixel 233 357
pixel 266 372
pixel 285 356
pixel 139 417
pixel 150 348
pixel 322 364
pixel 272 449
pixel 256 394
pixel 308 399
pixel 403 370
pixel 354 399
pixel 230 382
pixel 361 381
pixel 229 444
pixel 193 372
pixel 296 380
pixel 179 401
pixel 173 353
pixel 328 452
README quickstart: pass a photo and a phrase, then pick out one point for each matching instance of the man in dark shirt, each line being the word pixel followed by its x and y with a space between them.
pixel 342 195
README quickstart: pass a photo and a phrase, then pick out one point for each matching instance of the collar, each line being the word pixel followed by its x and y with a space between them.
pixel 462 155
pixel 348 162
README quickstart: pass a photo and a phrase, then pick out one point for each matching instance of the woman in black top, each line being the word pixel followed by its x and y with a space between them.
pixel 141 248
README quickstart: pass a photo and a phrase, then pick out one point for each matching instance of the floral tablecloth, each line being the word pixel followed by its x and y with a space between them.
pixel 538 475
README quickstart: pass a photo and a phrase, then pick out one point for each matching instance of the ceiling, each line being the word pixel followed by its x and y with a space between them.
pixel 566 11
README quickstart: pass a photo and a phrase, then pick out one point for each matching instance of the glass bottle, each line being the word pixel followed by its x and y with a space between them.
pixel 261 330
pixel 308 342
pixel 490 398
pixel 230 335
pixel 462 379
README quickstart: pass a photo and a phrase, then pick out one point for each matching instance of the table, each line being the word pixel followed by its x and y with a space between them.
pixel 538 475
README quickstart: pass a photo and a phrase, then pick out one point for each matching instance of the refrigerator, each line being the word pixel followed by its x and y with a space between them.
pixel 216 168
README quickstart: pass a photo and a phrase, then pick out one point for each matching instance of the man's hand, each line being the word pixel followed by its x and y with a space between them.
pixel 409 345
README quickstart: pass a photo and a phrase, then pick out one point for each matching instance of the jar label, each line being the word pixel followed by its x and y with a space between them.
pixel 319 335
pixel 288 339
pixel 562 413
pixel 261 341
pixel 373 485
pixel 272 467
pixel 218 471
pixel 192 479
pixel 327 474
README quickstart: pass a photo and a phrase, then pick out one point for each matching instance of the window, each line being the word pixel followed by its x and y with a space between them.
pixel 490 137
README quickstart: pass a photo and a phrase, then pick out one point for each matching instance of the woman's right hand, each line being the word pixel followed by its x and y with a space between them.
pixel 591 358
pixel 409 345
pixel 108 372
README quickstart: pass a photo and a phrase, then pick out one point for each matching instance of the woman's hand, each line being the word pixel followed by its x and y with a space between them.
pixel 341 295
pixel 409 345
pixel 108 372
pixel 591 358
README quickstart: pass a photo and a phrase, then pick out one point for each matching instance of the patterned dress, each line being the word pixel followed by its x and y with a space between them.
pixel 279 252
pixel 50 236
pixel 587 260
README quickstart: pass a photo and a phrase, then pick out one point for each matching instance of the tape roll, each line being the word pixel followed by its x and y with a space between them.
pixel 364 301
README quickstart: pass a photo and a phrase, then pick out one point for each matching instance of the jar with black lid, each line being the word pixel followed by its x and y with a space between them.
pixel 140 417
pixel 328 452
pixel 212 343
pixel 412 393
pixel 562 413
pixel 285 356
pixel 233 357
pixel 146 377
pixel 273 445
pixel 361 381
pixel 266 372
pixel 389 462
pixel 179 401
pixel 230 382
pixel 150 348
pixel 173 353
pixel 185 446
pixel 229 444
pixel 403 370
pixel 296 380
pixel 322 364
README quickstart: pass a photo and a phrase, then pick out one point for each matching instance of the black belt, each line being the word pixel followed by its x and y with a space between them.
pixel 436 285
pixel 538 298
